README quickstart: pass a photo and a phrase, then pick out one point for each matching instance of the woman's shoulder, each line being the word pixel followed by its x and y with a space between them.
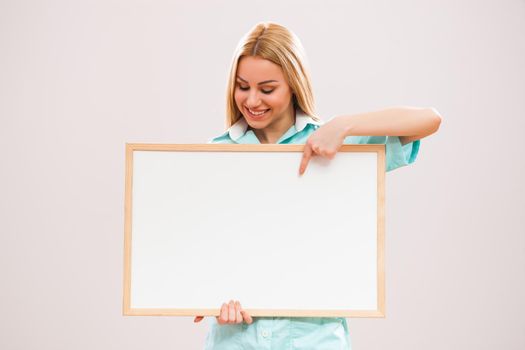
pixel 232 134
pixel 222 138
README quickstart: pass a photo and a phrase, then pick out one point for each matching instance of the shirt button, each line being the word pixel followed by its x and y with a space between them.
pixel 265 333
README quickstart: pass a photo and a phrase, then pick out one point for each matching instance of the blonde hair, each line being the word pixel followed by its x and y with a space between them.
pixel 279 45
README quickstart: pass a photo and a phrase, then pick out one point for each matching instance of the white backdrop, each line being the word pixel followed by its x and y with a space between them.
pixel 78 79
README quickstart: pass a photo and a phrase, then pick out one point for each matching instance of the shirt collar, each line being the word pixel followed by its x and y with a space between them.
pixel 237 130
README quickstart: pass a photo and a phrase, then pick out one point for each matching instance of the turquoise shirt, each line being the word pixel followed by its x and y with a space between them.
pixel 296 333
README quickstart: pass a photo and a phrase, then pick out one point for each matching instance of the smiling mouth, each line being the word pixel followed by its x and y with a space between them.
pixel 256 114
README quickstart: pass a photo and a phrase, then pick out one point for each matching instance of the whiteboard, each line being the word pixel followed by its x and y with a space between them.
pixel 207 223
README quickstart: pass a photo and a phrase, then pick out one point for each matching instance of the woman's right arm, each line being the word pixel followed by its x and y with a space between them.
pixel 231 313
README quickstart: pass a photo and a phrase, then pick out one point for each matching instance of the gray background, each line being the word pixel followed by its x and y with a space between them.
pixel 79 79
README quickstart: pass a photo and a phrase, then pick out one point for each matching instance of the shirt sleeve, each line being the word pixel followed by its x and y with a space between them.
pixel 397 155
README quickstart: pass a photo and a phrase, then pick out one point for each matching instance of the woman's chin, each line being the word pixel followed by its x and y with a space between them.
pixel 256 124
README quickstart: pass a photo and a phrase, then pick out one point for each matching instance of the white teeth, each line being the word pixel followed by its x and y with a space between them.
pixel 256 113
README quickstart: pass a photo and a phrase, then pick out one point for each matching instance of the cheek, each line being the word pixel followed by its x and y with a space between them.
pixel 238 98
pixel 279 100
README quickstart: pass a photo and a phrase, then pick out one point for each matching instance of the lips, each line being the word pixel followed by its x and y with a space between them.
pixel 256 114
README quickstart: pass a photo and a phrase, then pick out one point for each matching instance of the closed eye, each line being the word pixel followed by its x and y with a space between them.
pixel 263 91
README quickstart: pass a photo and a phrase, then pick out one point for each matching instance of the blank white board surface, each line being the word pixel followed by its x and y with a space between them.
pixel 210 223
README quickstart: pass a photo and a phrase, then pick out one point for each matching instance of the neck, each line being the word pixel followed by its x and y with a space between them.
pixel 273 132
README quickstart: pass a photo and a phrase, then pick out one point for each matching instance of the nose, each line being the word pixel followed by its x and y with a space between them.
pixel 253 99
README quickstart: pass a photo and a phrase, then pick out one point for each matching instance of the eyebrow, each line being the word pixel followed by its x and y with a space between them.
pixel 262 82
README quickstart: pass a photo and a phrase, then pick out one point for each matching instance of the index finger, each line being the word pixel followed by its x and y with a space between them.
pixel 223 317
pixel 307 154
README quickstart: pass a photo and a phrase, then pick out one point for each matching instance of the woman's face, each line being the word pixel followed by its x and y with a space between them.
pixel 262 94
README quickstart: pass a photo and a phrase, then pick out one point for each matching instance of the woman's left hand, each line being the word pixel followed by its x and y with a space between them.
pixel 325 142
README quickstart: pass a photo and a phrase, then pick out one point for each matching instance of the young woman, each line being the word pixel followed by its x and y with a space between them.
pixel 270 100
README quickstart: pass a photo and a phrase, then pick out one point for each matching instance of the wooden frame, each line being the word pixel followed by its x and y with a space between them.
pixel 315 167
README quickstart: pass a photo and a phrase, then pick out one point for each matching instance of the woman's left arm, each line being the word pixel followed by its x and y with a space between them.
pixel 409 123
